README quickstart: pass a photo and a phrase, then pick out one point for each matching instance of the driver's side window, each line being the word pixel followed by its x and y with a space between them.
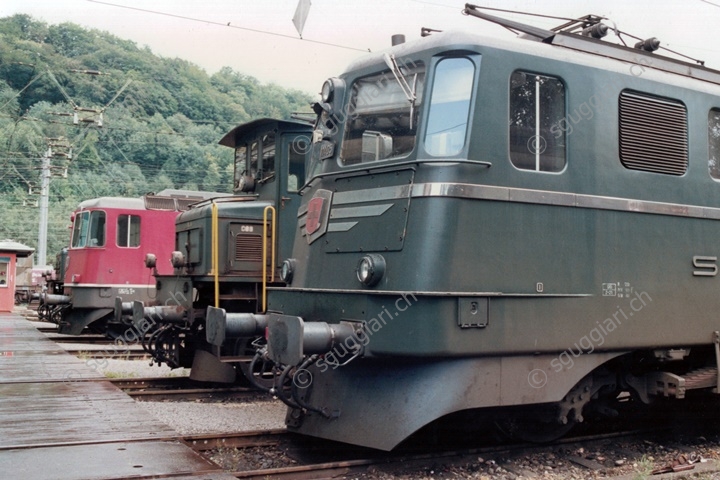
pixel 240 163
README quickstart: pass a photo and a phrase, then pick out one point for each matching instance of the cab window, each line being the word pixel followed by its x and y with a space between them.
pixel 449 107
pixel 714 143
pixel 381 119
pixel 537 107
pixel 252 166
pixel 297 152
pixel 240 163
pixel 128 231
pixel 267 174
pixel 89 229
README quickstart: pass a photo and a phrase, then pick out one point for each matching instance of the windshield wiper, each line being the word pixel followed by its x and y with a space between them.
pixel 404 85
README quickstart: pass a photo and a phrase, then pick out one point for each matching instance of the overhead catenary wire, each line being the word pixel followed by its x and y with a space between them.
pixel 229 25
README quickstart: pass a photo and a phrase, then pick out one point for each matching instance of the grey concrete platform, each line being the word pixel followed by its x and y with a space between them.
pixel 59 420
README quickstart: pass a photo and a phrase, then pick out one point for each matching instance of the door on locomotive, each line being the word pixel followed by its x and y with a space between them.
pixel 228 250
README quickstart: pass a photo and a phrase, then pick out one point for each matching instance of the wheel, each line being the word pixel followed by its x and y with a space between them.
pixel 534 427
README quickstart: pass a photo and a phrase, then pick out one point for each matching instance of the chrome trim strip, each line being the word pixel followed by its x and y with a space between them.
pixel 542 197
pixel 522 195
pixel 363 211
pixel 341 226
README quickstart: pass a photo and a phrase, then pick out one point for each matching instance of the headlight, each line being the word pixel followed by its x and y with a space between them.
pixel 287 270
pixel 150 260
pixel 370 269
pixel 177 259
pixel 332 86
pixel 328 89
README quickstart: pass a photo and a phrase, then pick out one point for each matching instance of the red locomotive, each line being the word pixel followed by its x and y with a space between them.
pixel 109 241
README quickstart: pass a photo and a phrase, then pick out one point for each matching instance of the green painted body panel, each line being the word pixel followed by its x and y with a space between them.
pixel 541 264
pixel 488 265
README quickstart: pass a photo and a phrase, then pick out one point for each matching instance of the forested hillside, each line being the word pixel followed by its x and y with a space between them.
pixel 142 124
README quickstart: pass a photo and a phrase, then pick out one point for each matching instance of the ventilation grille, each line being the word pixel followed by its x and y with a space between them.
pixel 155 202
pixel 159 203
pixel 653 134
pixel 248 248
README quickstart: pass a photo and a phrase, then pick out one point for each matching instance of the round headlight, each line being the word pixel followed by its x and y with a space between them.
pixel 177 259
pixel 326 94
pixel 370 269
pixel 150 260
pixel 287 270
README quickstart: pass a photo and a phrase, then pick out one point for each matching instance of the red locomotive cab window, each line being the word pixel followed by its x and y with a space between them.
pixel 128 231
pixel 89 229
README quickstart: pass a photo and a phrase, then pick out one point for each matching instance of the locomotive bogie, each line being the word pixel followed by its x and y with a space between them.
pixel 379 403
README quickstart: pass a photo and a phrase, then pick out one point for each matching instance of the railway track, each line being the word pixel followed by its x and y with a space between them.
pixel 357 461
pixel 109 354
pixel 180 388
pixel 95 346
pixel 249 439
pixel 90 339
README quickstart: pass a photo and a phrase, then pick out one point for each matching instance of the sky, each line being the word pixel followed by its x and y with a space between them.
pixel 219 33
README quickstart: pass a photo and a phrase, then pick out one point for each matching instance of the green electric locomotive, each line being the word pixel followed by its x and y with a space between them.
pixel 527 222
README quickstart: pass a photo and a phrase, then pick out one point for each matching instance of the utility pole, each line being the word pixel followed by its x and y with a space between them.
pixel 64 149
pixel 46 173
pixel 44 198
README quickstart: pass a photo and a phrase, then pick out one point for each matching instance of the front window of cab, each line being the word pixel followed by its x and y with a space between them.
pixel 255 163
pixel 89 229
pixel 447 123
pixel 267 174
pixel 382 116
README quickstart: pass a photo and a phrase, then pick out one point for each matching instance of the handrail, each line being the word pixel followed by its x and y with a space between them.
pixel 264 252
pixel 215 253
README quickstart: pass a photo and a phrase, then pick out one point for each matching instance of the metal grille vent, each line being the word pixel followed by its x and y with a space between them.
pixel 159 203
pixel 653 134
pixel 248 248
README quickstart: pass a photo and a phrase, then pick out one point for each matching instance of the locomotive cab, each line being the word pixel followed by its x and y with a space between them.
pixel 109 236
pixel 228 250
